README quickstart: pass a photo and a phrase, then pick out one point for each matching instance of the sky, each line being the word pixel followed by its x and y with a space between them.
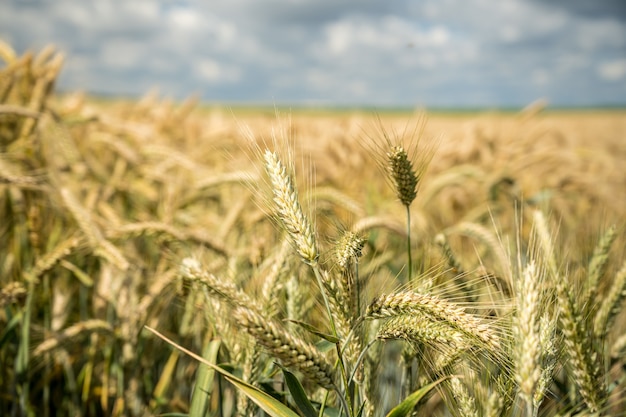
pixel 394 53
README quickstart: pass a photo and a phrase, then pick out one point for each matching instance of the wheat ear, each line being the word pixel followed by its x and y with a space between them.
pixel 289 210
pixel 47 261
pixel 417 327
pixel 598 263
pixel 87 326
pixel 547 326
pixel 191 270
pixel 436 309
pixel 579 348
pixel 466 403
pixel 11 293
pixel 611 305
pixel 348 250
pixel 403 175
pixel 527 334
pixel 290 350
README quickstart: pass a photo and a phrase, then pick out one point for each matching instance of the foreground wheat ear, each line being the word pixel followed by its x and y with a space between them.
pixel 289 210
pixel 292 351
pixel 583 350
pixel 439 311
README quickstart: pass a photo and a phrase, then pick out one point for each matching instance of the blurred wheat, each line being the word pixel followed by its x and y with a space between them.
pixel 116 215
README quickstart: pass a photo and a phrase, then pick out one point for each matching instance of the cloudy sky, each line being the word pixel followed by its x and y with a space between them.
pixel 433 53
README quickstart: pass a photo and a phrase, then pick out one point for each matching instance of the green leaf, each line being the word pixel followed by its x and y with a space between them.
pixel 298 394
pixel 408 404
pixel 311 329
pixel 23 353
pixel 360 413
pixel 267 403
pixel 325 346
pixel 204 381
pixel 6 332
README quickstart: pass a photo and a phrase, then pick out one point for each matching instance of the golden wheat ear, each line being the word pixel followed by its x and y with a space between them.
pixel 436 309
pixel 584 360
pixel 293 352
pixel 289 210
pixel 403 174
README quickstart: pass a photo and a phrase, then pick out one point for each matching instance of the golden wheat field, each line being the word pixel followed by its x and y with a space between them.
pixel 166 258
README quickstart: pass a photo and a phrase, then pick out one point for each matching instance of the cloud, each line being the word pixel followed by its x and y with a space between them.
pixel 598 9
pixel 613 70
pixel 368 52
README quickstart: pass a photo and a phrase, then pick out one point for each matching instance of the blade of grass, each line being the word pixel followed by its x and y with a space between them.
pixel 298 394
pixel 267 403
pixel 204 381
pixel 406 406
pixel 165 379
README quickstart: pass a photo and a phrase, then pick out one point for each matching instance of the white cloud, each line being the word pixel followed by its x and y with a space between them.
pixel 185 18
pixel 450 52
pixel 208 70
pixel 540 77
pixel 591 35
pixel 143 9
pixel 613 70
pixel 212 71
pixel 439 36
pixel 119 54
pixel 339 36
pixel 389 35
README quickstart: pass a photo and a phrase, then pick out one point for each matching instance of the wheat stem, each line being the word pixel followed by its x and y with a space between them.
pixel 408 243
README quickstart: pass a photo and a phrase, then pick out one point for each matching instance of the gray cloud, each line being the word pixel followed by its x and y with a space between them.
pixel 598 9
pixel 434 53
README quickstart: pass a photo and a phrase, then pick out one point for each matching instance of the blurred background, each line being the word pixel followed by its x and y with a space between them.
pixel 438 54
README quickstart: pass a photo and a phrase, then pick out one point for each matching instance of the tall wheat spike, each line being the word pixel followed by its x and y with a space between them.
pixel 527 333
pixel 548 340
pixel 289 210
pixel 404 176
pixel 612 305
pixel 598 262
pixel 583 358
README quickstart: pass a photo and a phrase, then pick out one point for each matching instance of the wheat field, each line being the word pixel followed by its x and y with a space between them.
pixel 173 258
